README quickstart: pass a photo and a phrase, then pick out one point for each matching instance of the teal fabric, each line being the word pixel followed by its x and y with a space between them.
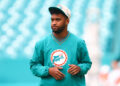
pixel 76 51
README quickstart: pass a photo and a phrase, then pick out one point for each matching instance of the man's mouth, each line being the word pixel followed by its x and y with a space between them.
pixel 54 26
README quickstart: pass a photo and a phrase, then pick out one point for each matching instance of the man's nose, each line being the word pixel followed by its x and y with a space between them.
pixel 54 22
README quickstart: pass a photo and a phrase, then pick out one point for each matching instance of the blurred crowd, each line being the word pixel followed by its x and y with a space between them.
pixel 110 75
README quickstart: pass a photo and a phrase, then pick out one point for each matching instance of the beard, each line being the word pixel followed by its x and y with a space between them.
pixel 58 30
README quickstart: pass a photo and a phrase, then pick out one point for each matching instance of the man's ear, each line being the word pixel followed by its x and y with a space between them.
pixel 67 20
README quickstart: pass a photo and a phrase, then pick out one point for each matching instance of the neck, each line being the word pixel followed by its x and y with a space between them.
pixel 61 35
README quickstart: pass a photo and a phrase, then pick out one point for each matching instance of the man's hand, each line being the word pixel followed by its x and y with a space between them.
pixel 54 72
pixel 74 69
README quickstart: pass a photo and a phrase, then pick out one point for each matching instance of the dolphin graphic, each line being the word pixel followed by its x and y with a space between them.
pixel 57 58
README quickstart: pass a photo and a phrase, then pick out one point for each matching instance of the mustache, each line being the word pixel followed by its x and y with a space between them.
pixel 54 26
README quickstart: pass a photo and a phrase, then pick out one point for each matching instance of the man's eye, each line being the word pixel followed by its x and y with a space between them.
pixel 58 19
pixel 51 19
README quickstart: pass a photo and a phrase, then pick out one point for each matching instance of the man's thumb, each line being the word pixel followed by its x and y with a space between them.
pixel 70 65
pixel 59 68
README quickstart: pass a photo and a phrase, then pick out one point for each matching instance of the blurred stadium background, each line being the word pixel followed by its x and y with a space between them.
pixel 23 22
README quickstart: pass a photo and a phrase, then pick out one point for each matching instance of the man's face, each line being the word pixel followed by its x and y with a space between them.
pixel 58 22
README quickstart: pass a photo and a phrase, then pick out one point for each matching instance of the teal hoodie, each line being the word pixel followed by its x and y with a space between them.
pixel 50 52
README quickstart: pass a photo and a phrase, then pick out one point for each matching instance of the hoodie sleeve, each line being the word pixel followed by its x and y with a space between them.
pixel 84 61
pixel 37 62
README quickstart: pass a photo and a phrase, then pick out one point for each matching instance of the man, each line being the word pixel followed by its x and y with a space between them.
pixel 61 58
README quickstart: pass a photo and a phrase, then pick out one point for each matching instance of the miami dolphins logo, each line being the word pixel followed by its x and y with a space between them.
pixel 58 57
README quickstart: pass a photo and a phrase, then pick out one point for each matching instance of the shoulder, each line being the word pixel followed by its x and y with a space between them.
pixel 79 41
pixel 43 39
pixel 77 38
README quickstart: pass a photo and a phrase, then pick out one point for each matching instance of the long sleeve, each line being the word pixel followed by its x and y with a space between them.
pixel 83 58
pixel 37 62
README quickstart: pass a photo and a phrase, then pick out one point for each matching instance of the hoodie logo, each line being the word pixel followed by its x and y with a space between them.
pixel 58 57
